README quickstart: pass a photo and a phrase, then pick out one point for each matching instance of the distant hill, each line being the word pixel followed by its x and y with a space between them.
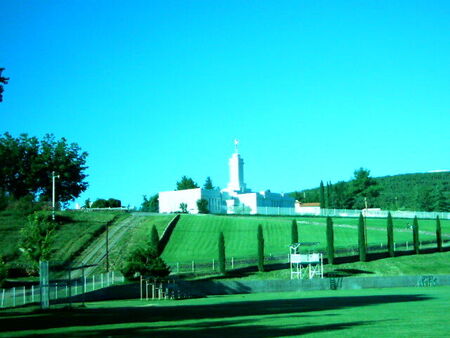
pixel 419 191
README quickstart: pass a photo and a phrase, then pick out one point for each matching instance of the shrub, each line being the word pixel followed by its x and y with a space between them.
pixel 390 235
pixel 416 235
pixel 221 248
pixel 294 232
pixel 3 271
pixel 260 248
pixel 202 206
pixel 330 240
pixel 438 234
pixel 144 261
pixel 362 239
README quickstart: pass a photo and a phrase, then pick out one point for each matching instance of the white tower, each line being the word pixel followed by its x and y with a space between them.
pixel 236 164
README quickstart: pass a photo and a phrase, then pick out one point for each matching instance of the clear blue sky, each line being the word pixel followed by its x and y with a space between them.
pixel 154 90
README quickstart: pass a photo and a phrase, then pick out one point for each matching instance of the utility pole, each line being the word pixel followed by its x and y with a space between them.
pixel 53 194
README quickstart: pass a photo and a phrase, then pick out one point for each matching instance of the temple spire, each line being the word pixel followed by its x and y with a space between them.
pixel 236 142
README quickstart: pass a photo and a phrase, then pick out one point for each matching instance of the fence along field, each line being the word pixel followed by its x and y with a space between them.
pixel 195 237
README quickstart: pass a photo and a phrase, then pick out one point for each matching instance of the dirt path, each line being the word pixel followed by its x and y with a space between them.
pixel 95 253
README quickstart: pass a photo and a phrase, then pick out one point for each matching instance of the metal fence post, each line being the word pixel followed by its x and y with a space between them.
pixel 93 282
pixel 14 296
pixel 32 293
pixel 24 295
pixel 3 297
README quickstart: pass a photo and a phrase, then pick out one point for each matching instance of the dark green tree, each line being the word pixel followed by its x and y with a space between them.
pixel 144 261
pixel 186 183
pixel 363 187
pixel 221 248
pixel 28 163
pixel 294 232
pixel 183 208
pixel 208 184
pixel 3 271
pixel 416 235
pixel 260 239
pixel 362 239
pixel 322 196
pixel 109 203
pixel 154 240
pixel 202 206
pixel 440 201
pixel 3 81
pixel 329 201
pixel 330 240
pixel 150 204
pixel 425 199
pixel 87 203
pixel 390 235
pixel 438 234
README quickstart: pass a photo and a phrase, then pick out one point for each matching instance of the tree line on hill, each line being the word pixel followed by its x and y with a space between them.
pixel 424 192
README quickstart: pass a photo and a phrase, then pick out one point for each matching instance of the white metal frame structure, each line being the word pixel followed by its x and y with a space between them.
pixel 305 266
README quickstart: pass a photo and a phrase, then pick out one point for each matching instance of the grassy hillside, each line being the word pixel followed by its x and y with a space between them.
pixel 195 237
pixel 74 234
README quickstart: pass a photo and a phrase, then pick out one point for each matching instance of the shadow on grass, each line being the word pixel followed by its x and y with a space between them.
pixel 346 273
pixel 216 317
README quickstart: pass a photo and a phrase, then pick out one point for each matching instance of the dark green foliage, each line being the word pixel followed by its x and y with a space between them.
pixel 183 208
pixel 154 240
pixel 208 184
pixel 416 235
pixel 3 271
pixel 438 234
pixel 27 165
pixel 294 232
pixel 322 195
pixel 151 204
pixel 202 206
pixel 390 235
pixel 87 203
pixel 329 200
pixel 36 238
pixel 363 187
pixel 330 240
pixel 395 192
pixel 362 239
pixel 109 203
pixel 260 240
pixel 3 81
pixel 221 249
pixel 144 261
pixel 186 183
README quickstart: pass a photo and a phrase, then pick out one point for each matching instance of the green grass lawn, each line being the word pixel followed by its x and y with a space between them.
pixel 70 237
pixel 195 236
pixel 405 312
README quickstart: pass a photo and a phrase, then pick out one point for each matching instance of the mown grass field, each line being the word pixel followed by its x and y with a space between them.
pixel 195 236
pixel 397 312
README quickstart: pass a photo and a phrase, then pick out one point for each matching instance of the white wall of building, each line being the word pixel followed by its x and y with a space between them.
pixel 169 201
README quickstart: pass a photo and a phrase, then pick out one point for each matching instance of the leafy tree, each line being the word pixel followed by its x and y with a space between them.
pixel 150 204
pixel 36 238
pixel 144 261
pixel 260 239
pixel 362 239
pixel 202 206
pixel 416 235
pixel 363 187
pixel 425 199
pixel 221 249
pixel 322 196
pixel 87 203
pixel 28 163
pixel 154 240
pixel 208 184
pixel 440 201
pixel 330 240
pixel 183 208
pixel 294 232
pixel 390 235
pixel 438 234
pixel 3 81
pixel 186 183
pixel 109 203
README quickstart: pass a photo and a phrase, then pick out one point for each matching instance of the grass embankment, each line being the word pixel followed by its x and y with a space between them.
pixel 405 312
pixel 76 231
pixel 195 236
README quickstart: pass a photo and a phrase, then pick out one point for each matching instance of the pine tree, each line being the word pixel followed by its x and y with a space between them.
pixel 438 234
pixel 221 245
pixel 154 239
pixel 294 232
pixel 416 235
pixel 329 202
pixel 260 249
pixel 208 184
pixel 330 240
pixel 322 196
pixel 362 239
pixel 390 235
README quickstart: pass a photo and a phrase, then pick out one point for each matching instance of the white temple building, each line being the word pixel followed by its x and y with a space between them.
pixel 236 198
